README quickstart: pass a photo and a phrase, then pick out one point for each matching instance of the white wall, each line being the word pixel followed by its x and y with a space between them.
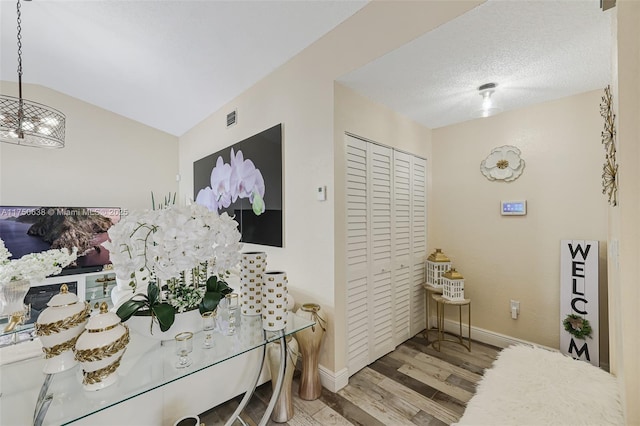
pixel 108 160
pixel 624 220
pixel 518 257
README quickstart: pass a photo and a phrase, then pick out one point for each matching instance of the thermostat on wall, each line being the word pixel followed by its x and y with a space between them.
pixel 513 208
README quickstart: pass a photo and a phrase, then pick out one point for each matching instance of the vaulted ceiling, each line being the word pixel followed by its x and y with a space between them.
pixel 166 63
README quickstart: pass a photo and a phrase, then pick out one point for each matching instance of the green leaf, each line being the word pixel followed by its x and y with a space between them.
pixel 216 290
pixel 166 315
pixel 129 308
pixel 153 293
pixel 217 286
pixel 210 301
pixel 212 283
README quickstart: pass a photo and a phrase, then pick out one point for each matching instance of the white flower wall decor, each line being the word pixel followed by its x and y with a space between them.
pixel 503 163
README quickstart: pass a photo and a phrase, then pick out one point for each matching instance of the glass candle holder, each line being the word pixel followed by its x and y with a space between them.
pixel 233 305
pixel 184 346
pixel 208 325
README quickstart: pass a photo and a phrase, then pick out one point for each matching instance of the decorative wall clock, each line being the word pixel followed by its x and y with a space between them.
pixel 610 167
pixel 504 163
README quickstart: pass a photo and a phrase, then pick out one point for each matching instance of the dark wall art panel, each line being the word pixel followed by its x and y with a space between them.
pixel 245 180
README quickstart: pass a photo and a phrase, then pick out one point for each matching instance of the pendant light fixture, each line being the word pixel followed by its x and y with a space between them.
pixel 489 105
pixel 23 122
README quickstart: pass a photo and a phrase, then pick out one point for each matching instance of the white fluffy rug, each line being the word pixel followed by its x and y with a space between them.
pixel 533 386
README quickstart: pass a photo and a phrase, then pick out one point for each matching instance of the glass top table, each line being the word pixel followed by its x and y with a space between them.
pixel 146 365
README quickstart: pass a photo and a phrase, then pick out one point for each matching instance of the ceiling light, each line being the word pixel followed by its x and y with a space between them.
pixel 17 115
pixel 489 105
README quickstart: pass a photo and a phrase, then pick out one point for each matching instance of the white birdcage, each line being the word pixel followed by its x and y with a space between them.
pixel 437 264
pixel 453 285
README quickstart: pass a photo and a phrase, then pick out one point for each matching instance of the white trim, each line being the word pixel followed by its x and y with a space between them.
pixel 488 337
pixel 496 339
pixel 333 381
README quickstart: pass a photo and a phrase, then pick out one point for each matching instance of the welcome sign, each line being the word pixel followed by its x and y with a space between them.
pixel 579 296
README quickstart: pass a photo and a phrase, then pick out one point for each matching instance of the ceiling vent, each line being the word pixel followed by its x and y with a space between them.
pixel 232 118
pixel 607 4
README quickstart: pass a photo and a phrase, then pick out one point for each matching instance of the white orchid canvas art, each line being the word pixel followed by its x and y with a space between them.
pixel 245 180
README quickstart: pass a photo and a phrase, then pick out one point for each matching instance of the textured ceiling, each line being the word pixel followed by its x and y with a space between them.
pixel 168 64
pixel 536 51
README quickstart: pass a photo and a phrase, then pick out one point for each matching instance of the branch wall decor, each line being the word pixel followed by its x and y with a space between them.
pixel 610 167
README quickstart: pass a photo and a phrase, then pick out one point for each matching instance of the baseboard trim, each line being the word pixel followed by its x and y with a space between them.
pixel 489 337
pixel 336 381
pixel 333 381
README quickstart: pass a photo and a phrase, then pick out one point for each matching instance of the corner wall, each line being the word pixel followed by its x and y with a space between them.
pixel 300 94
pixel 108 160
pixel 518 257
pixel 624 220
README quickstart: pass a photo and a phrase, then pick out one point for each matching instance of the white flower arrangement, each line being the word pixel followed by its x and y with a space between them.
pixel 175 246
pixel 34 266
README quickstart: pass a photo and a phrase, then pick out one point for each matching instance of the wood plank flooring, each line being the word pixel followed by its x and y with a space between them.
pixel 413 385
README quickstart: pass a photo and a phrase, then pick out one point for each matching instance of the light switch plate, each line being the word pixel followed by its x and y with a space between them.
pixel 322 193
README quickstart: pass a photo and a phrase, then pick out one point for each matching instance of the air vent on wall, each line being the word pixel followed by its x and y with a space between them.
pixel 607 4
pixel 232 118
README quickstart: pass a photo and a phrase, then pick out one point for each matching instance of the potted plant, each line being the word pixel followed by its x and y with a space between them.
pixel 171 261
pixel 151 304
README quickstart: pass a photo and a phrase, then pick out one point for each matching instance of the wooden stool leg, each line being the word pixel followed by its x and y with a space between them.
pixel 469 326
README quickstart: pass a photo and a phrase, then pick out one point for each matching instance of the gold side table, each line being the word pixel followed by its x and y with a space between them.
pixel 428 291
pixel 441 302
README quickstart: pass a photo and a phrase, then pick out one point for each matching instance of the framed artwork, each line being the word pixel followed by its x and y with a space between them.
pixel 245 180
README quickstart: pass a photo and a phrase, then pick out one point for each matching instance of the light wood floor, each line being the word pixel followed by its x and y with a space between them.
pixel 413 385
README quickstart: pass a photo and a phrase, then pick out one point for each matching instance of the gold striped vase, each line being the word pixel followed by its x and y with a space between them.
pixel 253 265
pixel 274 300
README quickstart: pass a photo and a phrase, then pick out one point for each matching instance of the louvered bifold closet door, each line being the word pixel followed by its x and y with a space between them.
pixel 386 249
pixel 402 251
pixel 418 243
pixel 381 236
pixel 358 254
